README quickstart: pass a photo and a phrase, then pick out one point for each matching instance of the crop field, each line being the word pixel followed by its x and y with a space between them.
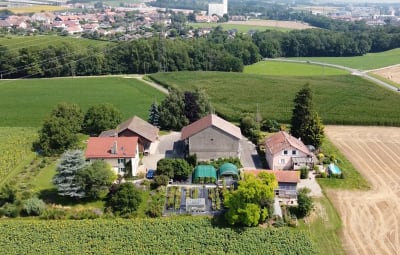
pixel 390 74
pixel 181 235
pixel 291 69
pixel 36 8
pixel 342 99
pixel 15 148
pixel 371 222
pixel 26 103
pixel 15 43
pixel 367 62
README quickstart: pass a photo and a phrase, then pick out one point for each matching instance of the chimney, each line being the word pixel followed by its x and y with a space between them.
pixel 114 148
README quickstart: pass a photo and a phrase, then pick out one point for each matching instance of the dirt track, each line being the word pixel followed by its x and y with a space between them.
pixel 273 23
pixel 391 73
pixel 371 219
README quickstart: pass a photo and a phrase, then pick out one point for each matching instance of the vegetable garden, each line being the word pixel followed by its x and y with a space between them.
pixel 176 235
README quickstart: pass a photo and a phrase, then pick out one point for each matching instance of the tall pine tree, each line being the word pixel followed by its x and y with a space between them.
pixel 305 123
pixel 154 115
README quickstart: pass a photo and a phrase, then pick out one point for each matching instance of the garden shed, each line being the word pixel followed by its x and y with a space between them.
pixel 204 174
pixel 228 169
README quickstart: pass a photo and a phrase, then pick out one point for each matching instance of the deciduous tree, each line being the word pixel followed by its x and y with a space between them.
pixel 249 204
pixel 172 111
pixel 125 199
pixel 96 179
pixel 101 117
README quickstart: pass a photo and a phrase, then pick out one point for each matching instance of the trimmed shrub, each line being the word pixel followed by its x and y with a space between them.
pixel 33 206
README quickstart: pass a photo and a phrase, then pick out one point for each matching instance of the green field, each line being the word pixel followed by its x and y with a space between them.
pixel 240 28
pixel 367 62
pixel 181 235
pixel 25 103
pixel 291 69
pixel 342 99
pixel 18 42
pixel 15 150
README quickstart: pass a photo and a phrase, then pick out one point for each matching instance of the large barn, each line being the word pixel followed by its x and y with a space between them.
pixel 211 138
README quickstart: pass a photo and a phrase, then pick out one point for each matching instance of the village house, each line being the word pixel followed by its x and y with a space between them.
pixel 135 127
pixel 285 152
pixel 211 138
pixel 122 153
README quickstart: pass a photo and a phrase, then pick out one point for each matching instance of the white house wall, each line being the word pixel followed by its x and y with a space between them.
pixel 275 161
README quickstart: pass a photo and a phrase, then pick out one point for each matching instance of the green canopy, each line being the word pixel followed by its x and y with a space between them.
pixel 203 171
pixel 228 169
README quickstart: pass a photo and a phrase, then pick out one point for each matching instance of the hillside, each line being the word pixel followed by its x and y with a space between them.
pixel 339 99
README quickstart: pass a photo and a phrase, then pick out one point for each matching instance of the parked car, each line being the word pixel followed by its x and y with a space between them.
pixel 150 174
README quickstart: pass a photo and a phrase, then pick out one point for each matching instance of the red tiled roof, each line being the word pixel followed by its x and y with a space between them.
pixel 283 140
pixel 140 127
pixel 281 175
pixel 208 121
pixel 103 147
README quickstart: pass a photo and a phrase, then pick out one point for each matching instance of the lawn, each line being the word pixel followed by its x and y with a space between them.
pixel 15 43
pixel 291 69
pixel 323 226
pixel 366 62
pixel 28 102
pixel 339 99
pixel 240 28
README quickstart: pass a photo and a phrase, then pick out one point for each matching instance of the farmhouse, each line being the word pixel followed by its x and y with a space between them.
pixel 211 138
pixel 287 182
pixel 122 153
pixel 284 152
pixel 135 127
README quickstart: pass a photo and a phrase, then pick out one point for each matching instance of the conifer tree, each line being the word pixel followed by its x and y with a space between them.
pixel 154 114
pixel 306 123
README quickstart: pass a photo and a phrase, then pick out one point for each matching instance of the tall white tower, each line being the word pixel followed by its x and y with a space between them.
pixel 225 3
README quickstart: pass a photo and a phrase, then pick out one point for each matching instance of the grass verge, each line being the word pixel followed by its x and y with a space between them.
pixel 352 178
pixel 323 226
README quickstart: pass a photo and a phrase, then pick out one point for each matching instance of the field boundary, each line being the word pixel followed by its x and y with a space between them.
pixel 353 71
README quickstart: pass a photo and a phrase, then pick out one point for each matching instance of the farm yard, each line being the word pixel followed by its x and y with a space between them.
pixel 370 218
pixel 130 96
pixel 339 99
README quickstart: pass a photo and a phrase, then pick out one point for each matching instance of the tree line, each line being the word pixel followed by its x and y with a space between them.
pixel 218 51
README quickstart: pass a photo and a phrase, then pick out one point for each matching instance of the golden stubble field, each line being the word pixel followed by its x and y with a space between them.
pixel 371 219
pixel 391 73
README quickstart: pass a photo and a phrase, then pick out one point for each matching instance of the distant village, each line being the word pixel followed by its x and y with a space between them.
pixel 134 21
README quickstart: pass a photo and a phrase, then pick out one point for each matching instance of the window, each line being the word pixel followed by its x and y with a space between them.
pixel 121 165
pixel 285 152
pixel 282 161
pixel 294 152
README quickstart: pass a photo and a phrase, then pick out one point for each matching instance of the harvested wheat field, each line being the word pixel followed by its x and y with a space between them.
pixel 391 73
pixel 273 23
pixel 371 219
